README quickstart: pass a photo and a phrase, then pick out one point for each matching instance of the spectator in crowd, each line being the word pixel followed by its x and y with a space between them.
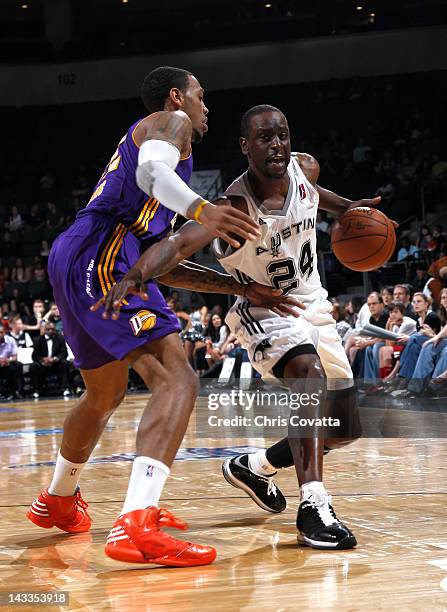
pixel 15 220
pixel 231 348
pixel 34 322
pixel 428 325
pixel 215 336
pixel 401 293
pixel 369 345
pixel 19 273
pixel 386 192
pixel 432 359
pixel 407 251
pixel 17 331
pixel 422 277
pixel 422 241
pixel 439 238
pixel 322 224
pixel 54 217
pixel 35 220
pixel 386 165
pixel 182 315
pixel 49 358
pixel 381 365
pixel 39 272
pixel 193 335
pixel 44 249
pixel 386 294
pixel 54 316
pixel 352 310
pixel 10 369
pixel 341 324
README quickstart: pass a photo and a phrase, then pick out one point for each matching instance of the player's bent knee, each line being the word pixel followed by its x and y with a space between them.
pixel 300 362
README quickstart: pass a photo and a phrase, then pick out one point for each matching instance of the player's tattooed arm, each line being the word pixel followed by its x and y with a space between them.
pixel 171 126
pixel 192 276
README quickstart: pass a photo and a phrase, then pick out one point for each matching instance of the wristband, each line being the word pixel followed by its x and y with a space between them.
pixel 198 210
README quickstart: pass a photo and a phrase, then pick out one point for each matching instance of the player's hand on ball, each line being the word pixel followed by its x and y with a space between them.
pixel 223 221
pixel 274 299
pixel 131 284
pixel 370 202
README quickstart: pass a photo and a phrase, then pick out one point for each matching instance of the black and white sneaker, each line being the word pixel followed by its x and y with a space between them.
pixel 261 489
pixel 319 527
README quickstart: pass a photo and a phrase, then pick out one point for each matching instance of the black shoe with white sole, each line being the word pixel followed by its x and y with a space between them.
pixel 261 489
pixel 319 527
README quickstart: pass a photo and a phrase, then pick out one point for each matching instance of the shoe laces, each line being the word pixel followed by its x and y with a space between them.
pixel 79 505
pixel 322 502
pixel 167 519
pixel 271 487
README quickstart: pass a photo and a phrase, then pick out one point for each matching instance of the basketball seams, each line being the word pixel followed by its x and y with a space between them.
pixel 362 215
pixel 367 222
pixel 361 237
pixel 370 254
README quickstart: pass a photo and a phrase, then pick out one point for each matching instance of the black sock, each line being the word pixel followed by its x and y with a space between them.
pixel 280 455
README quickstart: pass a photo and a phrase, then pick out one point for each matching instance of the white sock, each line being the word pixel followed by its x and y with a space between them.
pixel 260 465
pixel 313 487
pixel 66 476
pixel 146 484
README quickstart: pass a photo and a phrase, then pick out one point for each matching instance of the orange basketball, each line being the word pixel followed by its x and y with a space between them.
pixel 363 239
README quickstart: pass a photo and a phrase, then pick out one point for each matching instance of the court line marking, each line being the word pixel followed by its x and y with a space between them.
pixel 338 495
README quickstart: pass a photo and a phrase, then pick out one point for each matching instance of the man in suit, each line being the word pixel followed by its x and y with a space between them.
pixel 49 357
pixel 10 370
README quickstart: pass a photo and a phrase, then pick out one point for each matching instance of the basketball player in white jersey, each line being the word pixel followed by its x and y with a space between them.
pixel 279 190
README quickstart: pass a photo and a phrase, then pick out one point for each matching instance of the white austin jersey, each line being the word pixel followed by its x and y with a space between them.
pixel 285 256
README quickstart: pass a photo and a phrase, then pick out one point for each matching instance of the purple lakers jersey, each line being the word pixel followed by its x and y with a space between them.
pixel 117 195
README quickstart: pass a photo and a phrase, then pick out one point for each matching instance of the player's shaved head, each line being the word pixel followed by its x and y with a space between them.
pixel 253 112
pixel 158 83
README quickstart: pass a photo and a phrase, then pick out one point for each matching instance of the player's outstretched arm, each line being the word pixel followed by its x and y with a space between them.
pixel 162 261
pixel 159 259
pixel 164 136
pixel 334 203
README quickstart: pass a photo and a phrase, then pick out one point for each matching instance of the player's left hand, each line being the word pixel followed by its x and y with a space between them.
pixel 131 284
pixel 273 299
pixel 369 203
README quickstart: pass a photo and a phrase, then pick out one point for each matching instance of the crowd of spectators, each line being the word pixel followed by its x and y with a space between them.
pixel 396 154
pixel 396 341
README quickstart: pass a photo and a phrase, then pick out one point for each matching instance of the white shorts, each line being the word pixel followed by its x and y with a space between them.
pixel 267 337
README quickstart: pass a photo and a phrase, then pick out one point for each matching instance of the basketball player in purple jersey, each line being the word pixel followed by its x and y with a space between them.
pixel 120 221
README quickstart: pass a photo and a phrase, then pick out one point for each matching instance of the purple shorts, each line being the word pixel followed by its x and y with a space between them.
pixel 84 262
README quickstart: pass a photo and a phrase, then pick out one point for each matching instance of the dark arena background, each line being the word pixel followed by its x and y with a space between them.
pixel 363 86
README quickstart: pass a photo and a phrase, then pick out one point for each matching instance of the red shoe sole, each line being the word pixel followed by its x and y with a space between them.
pixel 47 523
pixel 135 556
pixel 44 522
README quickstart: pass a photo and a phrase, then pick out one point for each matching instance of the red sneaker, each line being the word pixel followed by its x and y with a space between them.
pixel 67 512
pixel 136 537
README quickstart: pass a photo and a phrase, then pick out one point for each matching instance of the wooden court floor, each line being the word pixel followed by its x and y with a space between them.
pixel 392 493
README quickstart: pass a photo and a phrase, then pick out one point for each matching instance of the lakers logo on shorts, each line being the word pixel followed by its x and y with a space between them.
pixel 144 320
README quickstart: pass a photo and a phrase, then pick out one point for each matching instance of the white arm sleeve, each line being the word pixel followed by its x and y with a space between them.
pixel 155 175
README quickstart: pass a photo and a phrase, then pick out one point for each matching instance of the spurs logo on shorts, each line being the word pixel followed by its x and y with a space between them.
pixel 144 320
